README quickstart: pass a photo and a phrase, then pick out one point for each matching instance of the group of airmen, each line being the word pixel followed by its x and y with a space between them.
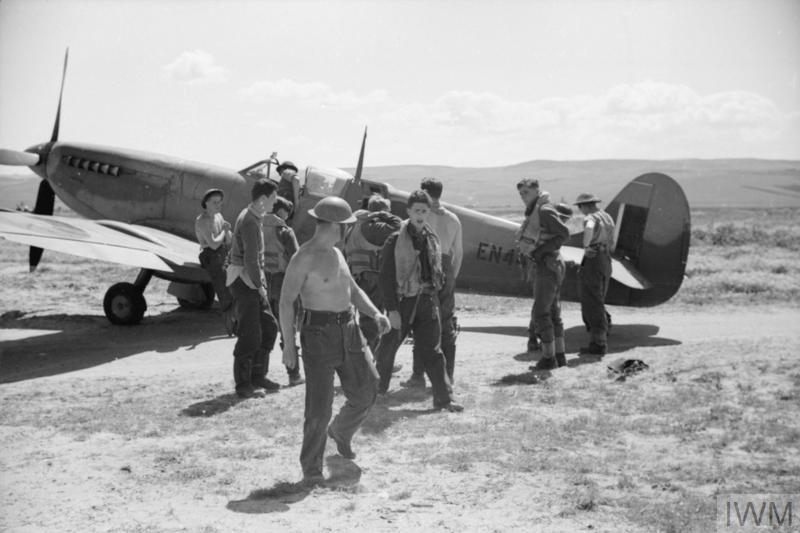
pixel 364 282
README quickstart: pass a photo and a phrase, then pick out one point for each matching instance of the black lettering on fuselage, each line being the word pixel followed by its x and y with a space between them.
pixel 492 252
pixel 481 255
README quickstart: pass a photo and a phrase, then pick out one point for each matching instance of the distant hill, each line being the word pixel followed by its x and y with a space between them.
pixel 707 182
pixel 21 189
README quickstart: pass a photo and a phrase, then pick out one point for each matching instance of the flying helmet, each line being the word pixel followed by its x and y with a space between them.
pixel 333 209
pixel 586 198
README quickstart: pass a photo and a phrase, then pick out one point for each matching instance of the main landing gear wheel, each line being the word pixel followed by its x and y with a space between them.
pixel 124 304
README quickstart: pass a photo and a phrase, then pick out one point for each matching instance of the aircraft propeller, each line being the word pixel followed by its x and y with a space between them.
pixel 16 158
pixel 46 197
pixel 360 165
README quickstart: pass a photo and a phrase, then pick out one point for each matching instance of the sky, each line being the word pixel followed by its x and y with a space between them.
pixel 458 83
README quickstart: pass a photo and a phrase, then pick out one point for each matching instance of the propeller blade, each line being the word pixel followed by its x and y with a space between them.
pixel 360 166
pixel 15 158
pixel 54 137
pixel 34 256
pixel 45 201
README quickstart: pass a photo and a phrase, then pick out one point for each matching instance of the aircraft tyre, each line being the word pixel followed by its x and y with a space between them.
pixel 124 304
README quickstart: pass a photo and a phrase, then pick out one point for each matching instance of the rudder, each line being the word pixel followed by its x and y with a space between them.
pixel 652 232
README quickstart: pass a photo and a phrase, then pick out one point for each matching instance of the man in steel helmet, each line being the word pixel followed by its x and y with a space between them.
pixel 330 337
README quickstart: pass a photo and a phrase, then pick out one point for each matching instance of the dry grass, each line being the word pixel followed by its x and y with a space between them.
pixel 157 442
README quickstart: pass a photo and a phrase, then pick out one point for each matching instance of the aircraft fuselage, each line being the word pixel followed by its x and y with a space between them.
pixel 153 190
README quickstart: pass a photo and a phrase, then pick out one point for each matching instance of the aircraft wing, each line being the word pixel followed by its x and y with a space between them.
pixel 621 270
pixel 106 240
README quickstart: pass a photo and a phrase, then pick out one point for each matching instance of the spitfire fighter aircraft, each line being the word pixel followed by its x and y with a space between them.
pixel 140 210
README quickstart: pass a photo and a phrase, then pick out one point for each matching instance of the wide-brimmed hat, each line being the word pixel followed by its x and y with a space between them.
pixel 333 209
pixel 586 198
pixel 286 164
pixel 208 194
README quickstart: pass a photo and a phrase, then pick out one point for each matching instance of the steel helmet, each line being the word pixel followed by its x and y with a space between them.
pixel 333 209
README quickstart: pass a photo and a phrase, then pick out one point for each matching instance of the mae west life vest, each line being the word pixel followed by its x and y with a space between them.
pixel 530 234
pixel 361 255
pixel 408 269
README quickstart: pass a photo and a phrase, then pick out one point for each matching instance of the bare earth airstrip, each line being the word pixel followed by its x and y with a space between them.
pixel 109 428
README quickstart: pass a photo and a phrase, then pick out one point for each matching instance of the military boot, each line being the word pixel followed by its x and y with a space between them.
pixel 258 374
pixel 548 360
pixel 242 369
pixel 594 349
pixel 560 348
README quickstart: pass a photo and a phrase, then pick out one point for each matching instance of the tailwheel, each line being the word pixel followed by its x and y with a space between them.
pixel 124 304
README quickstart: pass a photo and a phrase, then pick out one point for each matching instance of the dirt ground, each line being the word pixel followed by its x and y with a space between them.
pixel 135 429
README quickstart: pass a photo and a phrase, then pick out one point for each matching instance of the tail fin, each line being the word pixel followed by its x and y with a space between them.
pixel 652 232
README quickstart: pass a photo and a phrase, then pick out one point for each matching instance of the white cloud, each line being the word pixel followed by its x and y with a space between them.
pixel 647 119
pixel 313 94
pixel 195 67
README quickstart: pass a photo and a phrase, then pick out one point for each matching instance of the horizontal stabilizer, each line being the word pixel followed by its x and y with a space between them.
pixel 621 270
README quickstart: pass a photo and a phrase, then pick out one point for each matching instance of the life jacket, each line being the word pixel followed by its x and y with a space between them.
pixel 530 235
pixel 362 255
pixel 603 234
pixel 408 269
pixel 275 256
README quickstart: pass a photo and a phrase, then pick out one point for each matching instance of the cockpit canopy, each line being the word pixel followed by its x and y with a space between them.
pixel 322 182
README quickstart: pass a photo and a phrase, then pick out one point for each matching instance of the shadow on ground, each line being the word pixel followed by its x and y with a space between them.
pixel 344 475
pixel 384 412
pixel 212 407
pixel 526 378
pixel 75 342
pixel 622 337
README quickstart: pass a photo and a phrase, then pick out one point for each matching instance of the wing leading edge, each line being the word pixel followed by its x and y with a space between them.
pixel 106 240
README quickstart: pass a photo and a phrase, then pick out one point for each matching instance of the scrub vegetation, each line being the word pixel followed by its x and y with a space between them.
pixel 137 429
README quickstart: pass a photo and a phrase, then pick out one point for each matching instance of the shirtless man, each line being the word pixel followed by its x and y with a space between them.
pixel 330 337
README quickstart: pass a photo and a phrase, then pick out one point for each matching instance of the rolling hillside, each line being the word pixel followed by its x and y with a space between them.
pixel 708 183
